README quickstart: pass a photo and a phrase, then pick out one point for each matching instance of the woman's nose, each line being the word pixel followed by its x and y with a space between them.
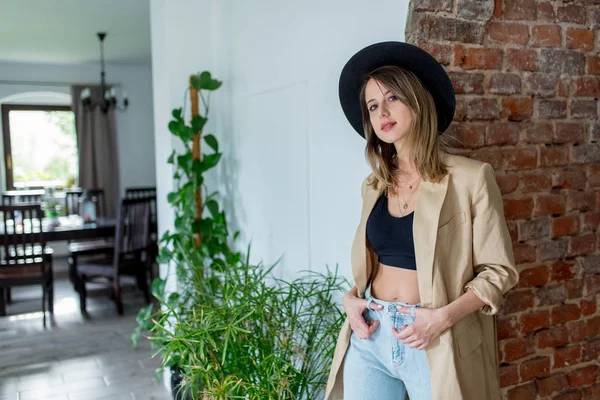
pixel 383 112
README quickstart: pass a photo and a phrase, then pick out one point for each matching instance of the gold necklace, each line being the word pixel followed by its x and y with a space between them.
pixel 405 206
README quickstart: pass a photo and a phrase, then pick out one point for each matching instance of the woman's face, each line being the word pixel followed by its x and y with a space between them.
pixel 391 119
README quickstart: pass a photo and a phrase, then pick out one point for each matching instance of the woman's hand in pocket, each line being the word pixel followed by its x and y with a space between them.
pixel 354 307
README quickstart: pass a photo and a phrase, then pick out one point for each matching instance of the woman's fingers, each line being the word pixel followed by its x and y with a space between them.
pixel 375 306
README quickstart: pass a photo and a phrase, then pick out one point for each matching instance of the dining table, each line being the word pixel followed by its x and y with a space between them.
pixel 73 228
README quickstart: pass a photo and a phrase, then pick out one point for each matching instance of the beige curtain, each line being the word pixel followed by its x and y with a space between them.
pixel 97 143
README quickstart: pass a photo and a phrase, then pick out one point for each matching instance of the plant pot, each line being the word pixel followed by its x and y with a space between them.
pixel 176 378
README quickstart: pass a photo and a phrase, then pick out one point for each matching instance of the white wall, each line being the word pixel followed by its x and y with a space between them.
pixel 293 165
pixel 135 126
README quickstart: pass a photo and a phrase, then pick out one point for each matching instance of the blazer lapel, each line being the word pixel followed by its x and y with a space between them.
pixel 425 226
pixel 360 251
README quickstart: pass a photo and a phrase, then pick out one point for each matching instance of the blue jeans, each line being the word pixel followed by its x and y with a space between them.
pixel 382 367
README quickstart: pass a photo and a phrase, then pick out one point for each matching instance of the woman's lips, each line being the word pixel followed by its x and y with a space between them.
pixel 387 126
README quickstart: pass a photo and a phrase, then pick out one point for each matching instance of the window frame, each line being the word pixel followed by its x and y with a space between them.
pixel 6 109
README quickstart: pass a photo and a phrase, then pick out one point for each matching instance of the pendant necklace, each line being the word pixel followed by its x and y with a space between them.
pixel 406 201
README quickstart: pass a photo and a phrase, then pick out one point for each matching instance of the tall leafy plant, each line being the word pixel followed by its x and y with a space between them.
pixel 230 327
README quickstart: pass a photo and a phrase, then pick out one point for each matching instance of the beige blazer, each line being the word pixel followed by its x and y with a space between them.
pixel 461 241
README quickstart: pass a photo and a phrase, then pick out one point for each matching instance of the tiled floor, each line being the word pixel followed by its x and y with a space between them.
pixel 77 358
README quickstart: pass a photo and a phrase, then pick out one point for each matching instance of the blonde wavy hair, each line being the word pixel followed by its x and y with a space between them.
pixel 427 147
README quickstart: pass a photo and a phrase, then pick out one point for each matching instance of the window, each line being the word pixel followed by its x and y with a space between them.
pixel 40 146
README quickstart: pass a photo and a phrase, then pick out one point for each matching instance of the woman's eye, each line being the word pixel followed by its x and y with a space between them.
pixel 392 98
pixel 372 108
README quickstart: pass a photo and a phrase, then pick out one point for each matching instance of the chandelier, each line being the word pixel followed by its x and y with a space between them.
pixel 108 101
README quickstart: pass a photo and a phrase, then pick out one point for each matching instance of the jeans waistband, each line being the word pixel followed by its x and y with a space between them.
pixel 387 305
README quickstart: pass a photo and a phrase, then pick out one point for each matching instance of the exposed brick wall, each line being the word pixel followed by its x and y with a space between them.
pixel 526 74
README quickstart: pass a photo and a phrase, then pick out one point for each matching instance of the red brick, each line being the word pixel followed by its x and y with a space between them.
pixel 518 300
pixel 593 391
pixel 441 52
pixel 592 328
pixel 517 109
pixel 461 110
pixel 572 395
pixel 428 26
pixel 571 13
pixel 509 375
pixel 518 348
pixel 591 351
pixel 593 177
pixel 551 384
pixel 521 60
pixel 507 183
pixel 581 245
pixel 593 65
pixel 563 61
pixel 481 108
pixel 520 158
pixel 545 36
pixel 482 58
pixel 580 39
pixel 569 132
pixel 506 327
pixel 581 201
pixel 524 253
pixel 566 356
pixel 553 337
pixel 513 231
pixel 538 133
pixel 490 156
pixel 465 135
pixel 565 313
pixel 588 307
pixel 562 270
pixel 538 228
pixel 498 8
pixel 566 225
pixel 576 331
pixel 531 277
pixel 587 86
pixel 534 368
pixel 466 82
pixel 592 284
pixel 554 156
pixel 545 11
pixel 574 288
pixel 523 10
pixel 500 133
pixel 583 376
pixel 570 179
pixel 505 83
pixel 524 392
pixel 518 208
pixel 536 182
pixel 433 5
pixel 534 321
pixel 508 33
pixel 549 204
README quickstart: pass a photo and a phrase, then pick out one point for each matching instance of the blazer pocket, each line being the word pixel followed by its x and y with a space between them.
pixel 471 337
pixel 452 224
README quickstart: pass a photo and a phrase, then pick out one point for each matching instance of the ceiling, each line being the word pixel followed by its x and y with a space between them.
pixel 64 31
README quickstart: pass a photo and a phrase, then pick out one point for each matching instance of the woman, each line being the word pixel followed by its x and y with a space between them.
pixel 432 257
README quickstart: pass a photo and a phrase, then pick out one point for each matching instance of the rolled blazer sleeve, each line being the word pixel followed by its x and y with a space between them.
pixel 493 259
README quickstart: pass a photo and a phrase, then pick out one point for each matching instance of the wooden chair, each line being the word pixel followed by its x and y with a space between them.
pixel 24 257
pixel 148 193
pixel 129 255
pixel 72 200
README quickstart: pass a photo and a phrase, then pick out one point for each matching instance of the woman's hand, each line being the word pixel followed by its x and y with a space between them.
pixel 354 307
pixel 428 325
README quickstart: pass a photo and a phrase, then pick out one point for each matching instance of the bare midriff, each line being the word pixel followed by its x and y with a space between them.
pixel 395 284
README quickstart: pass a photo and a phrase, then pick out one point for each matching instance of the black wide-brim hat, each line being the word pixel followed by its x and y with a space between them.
pixel 403 55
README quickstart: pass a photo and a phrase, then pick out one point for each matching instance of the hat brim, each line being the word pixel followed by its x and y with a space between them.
pixel 404 55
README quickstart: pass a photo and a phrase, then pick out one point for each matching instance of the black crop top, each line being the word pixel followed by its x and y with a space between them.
pixel 391 237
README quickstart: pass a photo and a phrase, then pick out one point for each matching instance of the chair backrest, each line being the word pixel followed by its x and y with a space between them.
pixel 145 193
pixel 21 235
pixel 72 200
pixel 132 233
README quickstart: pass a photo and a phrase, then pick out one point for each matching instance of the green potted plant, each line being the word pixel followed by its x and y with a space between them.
pixel 230 329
